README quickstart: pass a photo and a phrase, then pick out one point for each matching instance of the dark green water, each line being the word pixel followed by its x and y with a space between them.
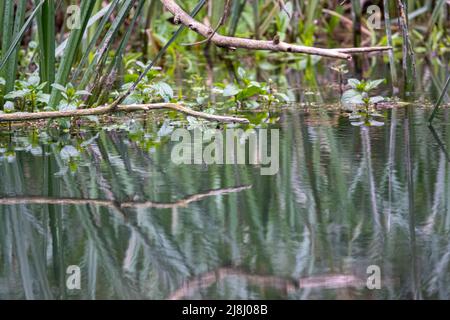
pixel 345 198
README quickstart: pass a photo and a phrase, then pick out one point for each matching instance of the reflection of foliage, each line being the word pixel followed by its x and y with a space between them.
pixel 326 212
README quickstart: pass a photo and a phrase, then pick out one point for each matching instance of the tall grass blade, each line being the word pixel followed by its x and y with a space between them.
pixel 47 41
pixel 389 41
pixel 70 51
pixel 100 28
pixel 194 12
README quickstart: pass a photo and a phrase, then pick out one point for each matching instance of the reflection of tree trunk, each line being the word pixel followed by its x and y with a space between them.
pixel 308 152
pixel 377 240
pixel 288 286
pixel 55 228
pixel 391 161
pixel 412 223
pixel 372 188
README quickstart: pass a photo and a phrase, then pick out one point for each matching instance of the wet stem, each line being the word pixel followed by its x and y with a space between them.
pixel 367 103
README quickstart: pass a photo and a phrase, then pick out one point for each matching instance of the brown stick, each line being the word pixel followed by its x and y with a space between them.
pixel 28 116
pixel 234 42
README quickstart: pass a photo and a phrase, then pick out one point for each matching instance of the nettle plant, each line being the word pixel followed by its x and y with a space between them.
pixel 28 94
pixel 362 104
pixel 72 98
pixel 249 89
pixel 149 90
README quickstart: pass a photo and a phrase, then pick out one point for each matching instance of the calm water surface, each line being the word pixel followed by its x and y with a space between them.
pixel 139 226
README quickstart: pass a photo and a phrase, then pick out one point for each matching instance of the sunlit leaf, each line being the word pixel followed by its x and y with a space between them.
pixel 370 85
pixel 230 90
pixel 354 83
pixel 352 97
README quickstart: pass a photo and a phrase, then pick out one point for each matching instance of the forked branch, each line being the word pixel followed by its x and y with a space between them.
pixel 234 42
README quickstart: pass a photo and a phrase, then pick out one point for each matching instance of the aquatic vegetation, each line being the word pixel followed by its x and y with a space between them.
pixel 243 94
pixel 28 94
pixel 92 91
pixel 359 96
pixel 72 98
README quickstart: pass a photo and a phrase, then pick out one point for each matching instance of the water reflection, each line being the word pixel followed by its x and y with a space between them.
pixel 141 227
pixel 439 142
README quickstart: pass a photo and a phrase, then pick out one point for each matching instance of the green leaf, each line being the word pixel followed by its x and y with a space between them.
pixel 2 81
pixel 373 84
pixel 163 90
pixel 41 86
pixel 34 80
pixel 241 72
pixel 17 94
pixel 354 83
pixel 352 97
pixel 249 92
pixel 231 90
pixel 59 87
pixel 43 97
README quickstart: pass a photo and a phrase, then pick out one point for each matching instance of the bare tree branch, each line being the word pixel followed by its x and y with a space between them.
pixel 28 116
pixel 251 44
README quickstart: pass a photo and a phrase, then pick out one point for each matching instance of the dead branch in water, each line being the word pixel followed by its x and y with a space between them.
pixel 28 116
pixel 233 42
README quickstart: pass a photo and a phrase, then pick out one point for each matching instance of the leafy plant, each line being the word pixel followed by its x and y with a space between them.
pixel 72 98
pixel 251 89
pixel 151 89
pixel 359 96
pixel 29 93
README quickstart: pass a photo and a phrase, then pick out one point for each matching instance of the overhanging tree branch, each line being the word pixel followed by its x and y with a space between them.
pixel 233 42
